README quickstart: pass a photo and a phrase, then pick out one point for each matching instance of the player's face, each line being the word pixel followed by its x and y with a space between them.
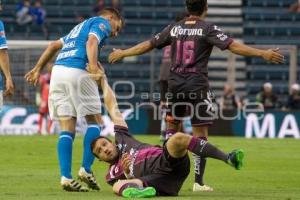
pixel 116 26
pixel 105 150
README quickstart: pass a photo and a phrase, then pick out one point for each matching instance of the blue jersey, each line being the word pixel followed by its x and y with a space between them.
pixel 3 45
pixel 73 53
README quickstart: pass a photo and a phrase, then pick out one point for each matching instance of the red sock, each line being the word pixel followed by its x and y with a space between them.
pixel 40 123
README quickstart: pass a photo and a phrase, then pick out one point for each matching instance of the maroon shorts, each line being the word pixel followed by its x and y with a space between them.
pixel 169 174
pixel 200 106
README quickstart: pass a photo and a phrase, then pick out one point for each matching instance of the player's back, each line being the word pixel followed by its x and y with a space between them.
pixel 73 53
pixel 192 41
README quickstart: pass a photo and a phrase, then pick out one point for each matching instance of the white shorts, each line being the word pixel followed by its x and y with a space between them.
pixel 1 99
pixel 72 93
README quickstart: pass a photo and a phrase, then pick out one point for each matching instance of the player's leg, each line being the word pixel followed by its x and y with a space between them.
pixel 88 105
pixel 180 143
pixel 62 108
pixel 203 116
pixel 200 162
pixel 64 149
pixel 133 188
pixel 93 131
pixel 49 124
pixel 65 144
pixel 175 113
pixel 163 104
pixel 40 123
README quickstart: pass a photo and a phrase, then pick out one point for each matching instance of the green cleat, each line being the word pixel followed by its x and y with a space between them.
pixel 139 192
pixel 236 158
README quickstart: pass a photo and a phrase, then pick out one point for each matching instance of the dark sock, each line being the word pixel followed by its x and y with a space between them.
pixel 204 149
pixel 199 166
pixel 128 185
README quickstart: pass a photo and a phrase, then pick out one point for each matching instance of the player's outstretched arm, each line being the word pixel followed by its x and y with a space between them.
pixel 111 104
pixel 270 55
pixel 5 67
pixel 109 97
pixel 33 76
pixel 138 49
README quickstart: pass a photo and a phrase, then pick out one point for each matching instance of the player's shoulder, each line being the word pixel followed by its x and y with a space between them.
pixel 211 26
pixel 99 19
pixel 102 23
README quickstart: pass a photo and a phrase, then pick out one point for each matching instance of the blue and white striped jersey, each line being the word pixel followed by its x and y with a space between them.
pixel 73 54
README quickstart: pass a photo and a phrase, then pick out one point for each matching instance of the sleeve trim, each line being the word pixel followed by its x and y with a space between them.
pixel 62 41
pixel 4 47
pixel 229 43
pixel 94 34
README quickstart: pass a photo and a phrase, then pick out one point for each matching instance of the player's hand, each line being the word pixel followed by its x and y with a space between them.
pixel 96 72
pixel 32 77
pixel 125 163
pixel 116 55
pixel 273 56
pixel 9 87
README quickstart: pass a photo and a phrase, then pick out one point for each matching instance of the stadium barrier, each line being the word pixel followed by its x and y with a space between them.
pixel 22 120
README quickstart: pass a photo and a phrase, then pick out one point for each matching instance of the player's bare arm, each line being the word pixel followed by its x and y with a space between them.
pixel 270 55
pixel 111 103
pixel 138 49
pixel 109 97
pixel 5 67
pixel 33 76
pixel 92 54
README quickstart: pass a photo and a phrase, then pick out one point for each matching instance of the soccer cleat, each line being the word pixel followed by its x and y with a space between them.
pixel 72 185
pixel 201 188
pixel 235 158
pixel 132 192
pixel 88 178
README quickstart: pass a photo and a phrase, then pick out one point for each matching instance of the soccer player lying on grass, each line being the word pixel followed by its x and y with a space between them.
pixel 142 170
pixel 192 40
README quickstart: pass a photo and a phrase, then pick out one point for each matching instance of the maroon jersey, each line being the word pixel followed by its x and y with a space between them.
pixel 192 41
pixel 165 64
pixel 153 165
pixel 143 157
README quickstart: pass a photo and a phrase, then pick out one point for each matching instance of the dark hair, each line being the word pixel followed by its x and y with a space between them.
pixel 196 7
pixel 94 143
pixel 116 14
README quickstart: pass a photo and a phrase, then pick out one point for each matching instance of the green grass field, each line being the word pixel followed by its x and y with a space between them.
pixel 29 170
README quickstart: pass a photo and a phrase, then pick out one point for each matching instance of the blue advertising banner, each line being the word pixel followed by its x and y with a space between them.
pixel 268 125
pixel 23 120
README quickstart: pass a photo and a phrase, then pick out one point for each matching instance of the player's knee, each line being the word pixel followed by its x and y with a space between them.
pixel 180 140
